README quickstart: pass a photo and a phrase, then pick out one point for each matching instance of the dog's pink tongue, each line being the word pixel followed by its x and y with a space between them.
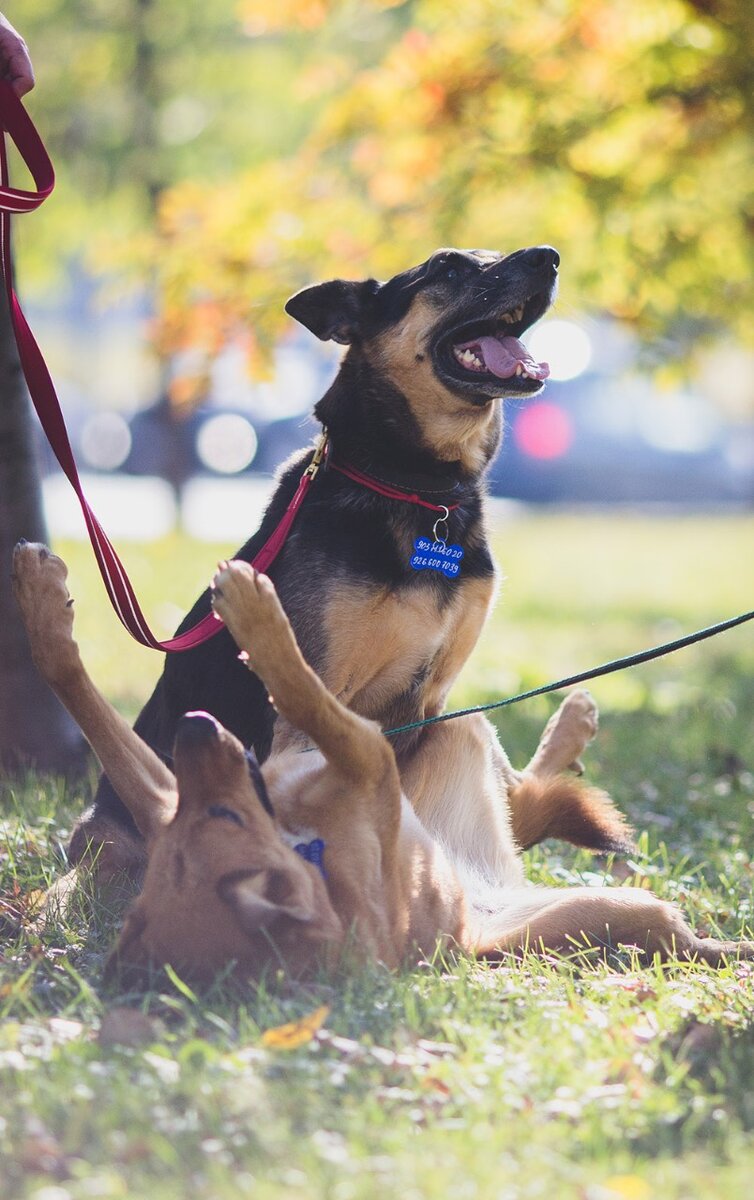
pixel 502 356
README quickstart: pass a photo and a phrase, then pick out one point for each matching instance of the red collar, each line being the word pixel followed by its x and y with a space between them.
pixel 383 489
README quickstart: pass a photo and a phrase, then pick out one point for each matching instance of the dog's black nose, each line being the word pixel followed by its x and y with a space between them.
pixel 196 727
pixel 539 257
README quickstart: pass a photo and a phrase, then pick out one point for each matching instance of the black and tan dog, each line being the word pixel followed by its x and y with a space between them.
pixel 416 406
pixel 226 881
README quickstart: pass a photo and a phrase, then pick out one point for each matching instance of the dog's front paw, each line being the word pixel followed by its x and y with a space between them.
pixel 46 606
pixel 247 602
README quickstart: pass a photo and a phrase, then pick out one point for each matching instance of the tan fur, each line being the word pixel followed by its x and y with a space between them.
pixel 378 639
pixel 454 430
pixel 220 892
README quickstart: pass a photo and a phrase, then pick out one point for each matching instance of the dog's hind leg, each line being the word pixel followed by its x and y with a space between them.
pixel 566 735
pixel 144 783
pixel 573 921
pixel 464 789
pixel 458 779
pixel 546 801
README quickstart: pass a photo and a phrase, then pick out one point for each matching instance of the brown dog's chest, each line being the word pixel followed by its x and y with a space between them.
pixel 392 654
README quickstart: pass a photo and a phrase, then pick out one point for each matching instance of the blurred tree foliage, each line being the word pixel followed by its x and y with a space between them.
pixel 345 137
pixel 134 96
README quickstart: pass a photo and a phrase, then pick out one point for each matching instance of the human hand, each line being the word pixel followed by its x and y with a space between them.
pixel 15 64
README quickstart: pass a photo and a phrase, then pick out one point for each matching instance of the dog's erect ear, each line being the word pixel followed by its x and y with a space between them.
pixel 333 311
pixel 259 897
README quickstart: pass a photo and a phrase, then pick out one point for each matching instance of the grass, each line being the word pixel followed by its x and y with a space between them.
pixel 548 1080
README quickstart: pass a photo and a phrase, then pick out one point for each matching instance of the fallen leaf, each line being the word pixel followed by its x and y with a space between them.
pixel 295 1033
pixel 436 1085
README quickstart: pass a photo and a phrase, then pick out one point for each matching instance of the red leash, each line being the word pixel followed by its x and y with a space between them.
pixel 17 123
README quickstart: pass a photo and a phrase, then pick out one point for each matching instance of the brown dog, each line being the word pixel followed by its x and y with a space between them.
pixel 224 882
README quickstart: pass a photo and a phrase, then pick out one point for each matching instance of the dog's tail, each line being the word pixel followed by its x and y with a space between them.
pixel 565 808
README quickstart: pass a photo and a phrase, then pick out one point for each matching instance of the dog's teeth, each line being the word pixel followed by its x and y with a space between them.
pixel 467 358
pixel 508 318
pixel 519 369
pixel 518 312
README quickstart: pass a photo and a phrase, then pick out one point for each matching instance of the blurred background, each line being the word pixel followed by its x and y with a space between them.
pixel 213 157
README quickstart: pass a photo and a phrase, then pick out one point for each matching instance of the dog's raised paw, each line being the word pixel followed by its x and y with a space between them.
pixel 34 565
pixel 247 602
pixel 39 585
pixel 578 716
pixel 567 734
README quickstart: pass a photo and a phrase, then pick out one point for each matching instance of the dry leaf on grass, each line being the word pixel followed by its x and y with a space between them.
pixel 295 1033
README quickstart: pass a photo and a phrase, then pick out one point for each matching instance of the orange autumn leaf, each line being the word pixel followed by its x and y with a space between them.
pixel 295 1033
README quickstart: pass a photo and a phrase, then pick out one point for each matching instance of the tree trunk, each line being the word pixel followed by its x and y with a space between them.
pixel 35 730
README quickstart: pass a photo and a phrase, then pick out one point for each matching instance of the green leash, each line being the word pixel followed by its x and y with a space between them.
pixel 609 668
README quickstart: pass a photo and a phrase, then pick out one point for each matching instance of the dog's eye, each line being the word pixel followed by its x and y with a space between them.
pixel 451 273
pixel 219 810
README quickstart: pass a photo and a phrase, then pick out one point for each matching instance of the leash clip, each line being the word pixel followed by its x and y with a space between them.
pixel 319 454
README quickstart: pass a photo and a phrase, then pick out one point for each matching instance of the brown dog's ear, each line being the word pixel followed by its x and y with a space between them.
pixel 333 311
pixel 259 897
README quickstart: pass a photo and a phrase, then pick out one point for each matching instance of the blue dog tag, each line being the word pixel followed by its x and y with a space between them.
pixel 437 556
pixel 313 852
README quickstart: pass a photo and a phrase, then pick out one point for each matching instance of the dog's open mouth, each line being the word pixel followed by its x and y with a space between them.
pixel 500 355
pixel 483 353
